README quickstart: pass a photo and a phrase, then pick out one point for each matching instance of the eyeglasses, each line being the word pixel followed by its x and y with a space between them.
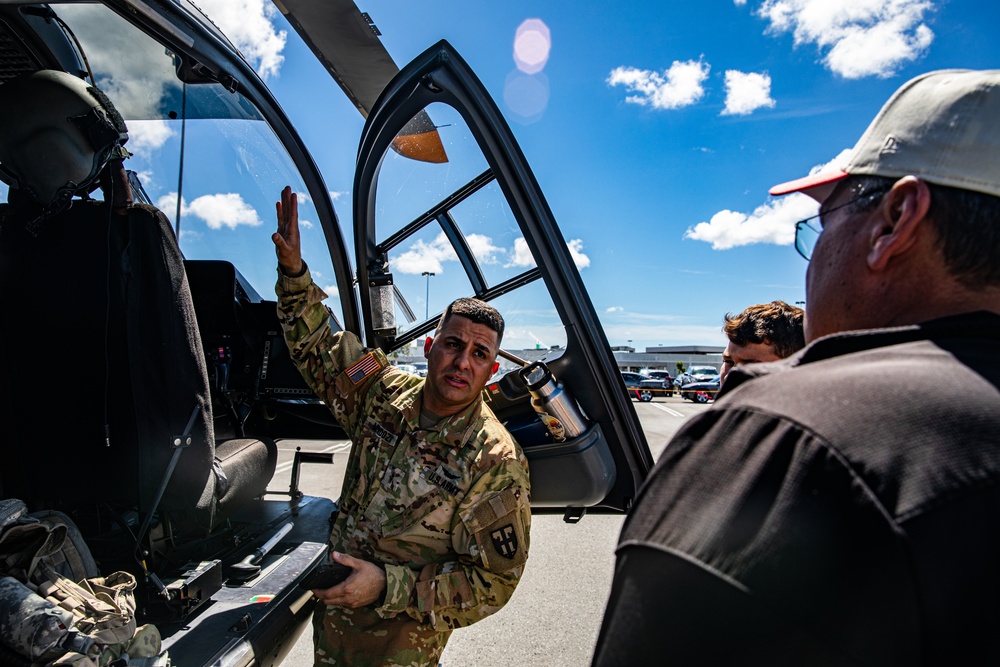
pixel 807 231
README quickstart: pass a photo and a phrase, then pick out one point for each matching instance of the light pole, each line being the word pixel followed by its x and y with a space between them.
pixel 427 295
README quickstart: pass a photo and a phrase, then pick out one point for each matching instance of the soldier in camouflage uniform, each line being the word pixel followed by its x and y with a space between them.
pixel 434 511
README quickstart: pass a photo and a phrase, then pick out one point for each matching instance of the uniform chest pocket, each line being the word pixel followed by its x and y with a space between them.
pixel 397 507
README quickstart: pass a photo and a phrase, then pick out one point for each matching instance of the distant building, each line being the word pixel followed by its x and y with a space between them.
pixel 626 357
pixel 666 358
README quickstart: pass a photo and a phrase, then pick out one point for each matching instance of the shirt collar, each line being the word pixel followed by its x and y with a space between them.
pixel 458 428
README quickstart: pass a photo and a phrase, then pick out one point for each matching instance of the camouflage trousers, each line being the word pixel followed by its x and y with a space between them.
pixel 361 638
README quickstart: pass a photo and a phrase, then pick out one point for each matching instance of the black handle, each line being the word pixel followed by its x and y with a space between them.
pixel 325 576
pixel 542 378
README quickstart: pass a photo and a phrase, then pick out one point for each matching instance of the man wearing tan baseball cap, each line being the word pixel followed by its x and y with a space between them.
pixel 842 507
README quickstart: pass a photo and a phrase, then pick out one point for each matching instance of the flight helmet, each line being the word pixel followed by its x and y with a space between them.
pixel 56 134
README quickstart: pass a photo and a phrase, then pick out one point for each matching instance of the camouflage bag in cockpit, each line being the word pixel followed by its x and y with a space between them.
pixel 51 619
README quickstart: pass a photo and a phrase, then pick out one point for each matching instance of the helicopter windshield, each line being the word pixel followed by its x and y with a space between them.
pixel 202 154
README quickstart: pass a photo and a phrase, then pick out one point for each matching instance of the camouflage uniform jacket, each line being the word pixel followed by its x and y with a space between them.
pixel 445 510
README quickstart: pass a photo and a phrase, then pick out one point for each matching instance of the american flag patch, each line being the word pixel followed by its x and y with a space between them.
pixel 362 368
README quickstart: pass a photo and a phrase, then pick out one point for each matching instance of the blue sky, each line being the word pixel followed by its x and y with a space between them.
pixel 654 128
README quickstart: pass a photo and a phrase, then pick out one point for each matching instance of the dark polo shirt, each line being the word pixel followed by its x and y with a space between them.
pixel 840 507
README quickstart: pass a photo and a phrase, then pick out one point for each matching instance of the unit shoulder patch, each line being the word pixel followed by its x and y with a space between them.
pixel 497 525
pixel 505 541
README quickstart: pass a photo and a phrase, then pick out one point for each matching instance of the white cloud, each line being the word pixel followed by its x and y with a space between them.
pixel 247 24
pixel 147 178
pixel 332 292
pixel 224 210
pixel 771 222
pixel 483 249
pixel 424 256
pixel 334 196
pixel 679 86
pixel 146 136
pixel 306 223
pixel 615 309
pixel 746 92
pixel 218 211
pixel 576 250
pixel 860 37
pixel 168 204
pixel 521 255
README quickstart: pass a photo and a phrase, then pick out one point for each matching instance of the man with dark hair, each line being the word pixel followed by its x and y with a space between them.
pixel 764 332
pixel 478 311
pixel 842 506
pixel 434 512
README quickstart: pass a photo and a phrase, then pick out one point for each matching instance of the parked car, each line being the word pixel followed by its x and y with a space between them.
pixel 645 388
pixel 632 383
pixel 695 374
pixel 701 392
pixel 660 381
pixel 660 374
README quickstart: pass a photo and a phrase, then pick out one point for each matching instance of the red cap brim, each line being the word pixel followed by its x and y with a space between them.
pixel 818 186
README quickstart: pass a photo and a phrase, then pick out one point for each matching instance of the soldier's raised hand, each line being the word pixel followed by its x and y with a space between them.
pixel 286 240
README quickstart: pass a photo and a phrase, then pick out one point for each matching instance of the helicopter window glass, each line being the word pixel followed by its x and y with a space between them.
pixel 450 232
pixel 227 206
pixel 136 72
pixel 408 187
pixel 428 276
pixel 532 328
pixel 139 74
pixel 487 222
pixel 413 181
pixel 531 323
pixel 205 143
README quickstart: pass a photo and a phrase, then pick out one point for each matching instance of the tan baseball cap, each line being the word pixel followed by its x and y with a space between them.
pixel 943 127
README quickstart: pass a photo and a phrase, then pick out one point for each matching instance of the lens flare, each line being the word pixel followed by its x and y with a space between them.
pixel 526 96
pixel 532 44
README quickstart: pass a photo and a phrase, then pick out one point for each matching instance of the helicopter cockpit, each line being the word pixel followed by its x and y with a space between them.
pixel 134 398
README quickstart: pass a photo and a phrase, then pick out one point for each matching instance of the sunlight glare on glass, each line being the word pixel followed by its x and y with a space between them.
pixel 532 43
